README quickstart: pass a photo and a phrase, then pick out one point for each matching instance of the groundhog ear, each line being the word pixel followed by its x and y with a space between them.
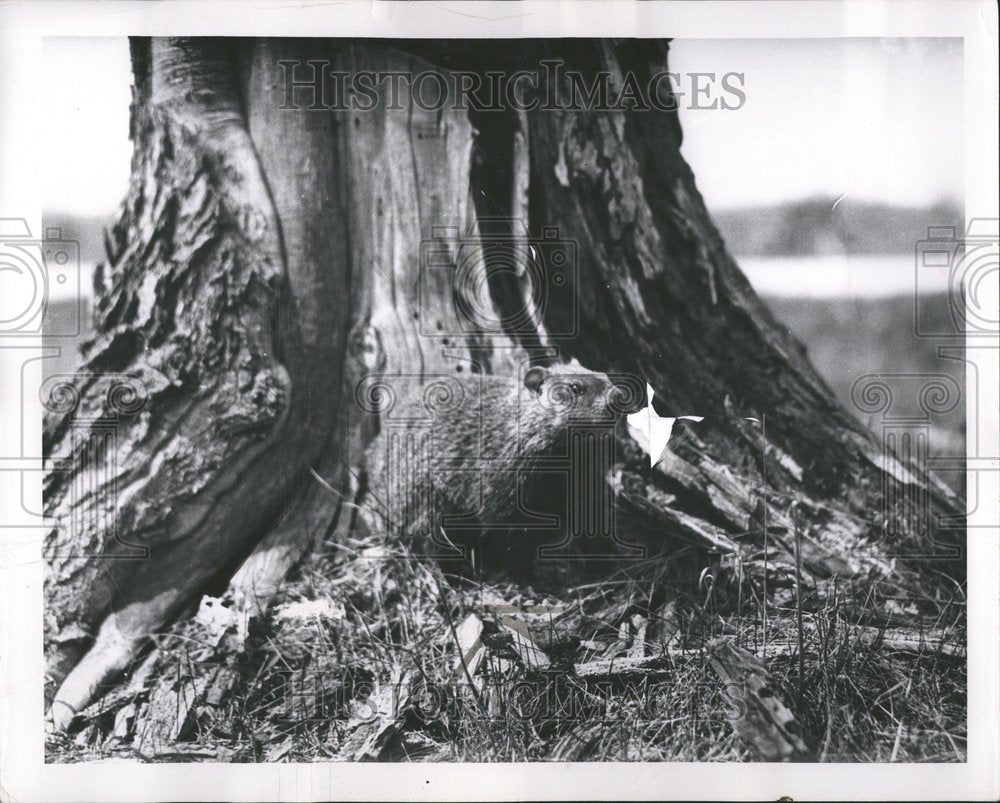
pixel 533 379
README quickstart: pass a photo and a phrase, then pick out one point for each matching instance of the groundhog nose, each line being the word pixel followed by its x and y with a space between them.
pixel 623 401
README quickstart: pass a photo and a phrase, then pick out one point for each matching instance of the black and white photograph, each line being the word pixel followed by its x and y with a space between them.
pixel 551 391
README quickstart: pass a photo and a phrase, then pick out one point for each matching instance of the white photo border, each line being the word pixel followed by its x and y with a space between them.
pixel 24 775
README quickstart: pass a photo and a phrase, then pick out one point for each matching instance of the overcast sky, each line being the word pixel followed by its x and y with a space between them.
pixel 879 119
pixel 876 119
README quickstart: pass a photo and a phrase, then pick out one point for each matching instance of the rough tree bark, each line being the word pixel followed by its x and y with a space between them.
pixel 266 261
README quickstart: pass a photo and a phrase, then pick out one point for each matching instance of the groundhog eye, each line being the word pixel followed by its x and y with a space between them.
pixel 577 388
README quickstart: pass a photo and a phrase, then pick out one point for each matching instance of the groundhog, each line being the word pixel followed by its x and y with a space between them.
pixel 476 460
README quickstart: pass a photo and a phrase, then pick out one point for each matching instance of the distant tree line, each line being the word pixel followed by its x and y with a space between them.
pixel 820 226
pixel 811 227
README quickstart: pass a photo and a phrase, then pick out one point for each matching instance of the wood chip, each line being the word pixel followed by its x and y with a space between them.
pixel 638 648
pixel 763 721
pixel 470 647
pixel 379 718
pixel 531 655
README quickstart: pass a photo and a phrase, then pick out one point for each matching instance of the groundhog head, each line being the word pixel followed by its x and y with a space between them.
pixel 572 393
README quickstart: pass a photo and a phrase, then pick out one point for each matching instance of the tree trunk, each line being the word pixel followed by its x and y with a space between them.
pixel 267 261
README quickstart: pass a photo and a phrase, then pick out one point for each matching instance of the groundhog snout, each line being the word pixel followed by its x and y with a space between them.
pixel 583 399
pixel 621 399
pixel 585 394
